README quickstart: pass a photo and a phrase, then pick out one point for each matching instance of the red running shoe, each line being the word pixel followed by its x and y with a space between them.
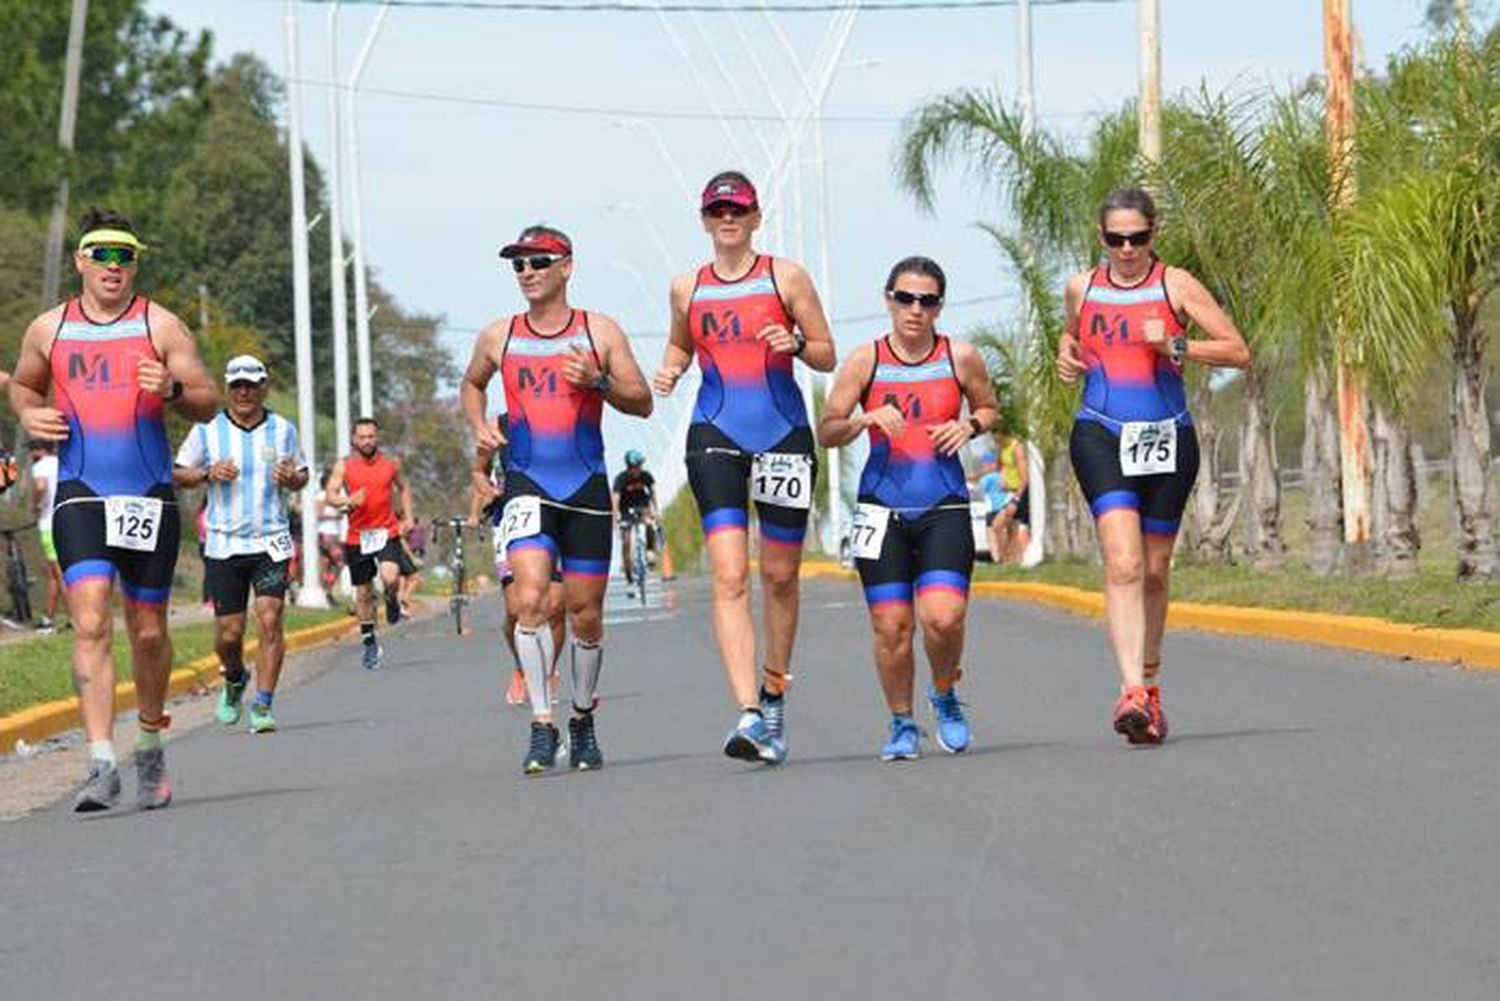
pixel 1133 715
pixel 1158 715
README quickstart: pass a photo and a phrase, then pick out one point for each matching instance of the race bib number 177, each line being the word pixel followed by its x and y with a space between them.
pixel 867 531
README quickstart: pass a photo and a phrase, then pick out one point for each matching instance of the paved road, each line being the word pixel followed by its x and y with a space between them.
pixel 1323 825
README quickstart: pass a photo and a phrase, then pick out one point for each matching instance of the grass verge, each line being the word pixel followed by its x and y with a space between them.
pixel 1431 598
pixel 41 669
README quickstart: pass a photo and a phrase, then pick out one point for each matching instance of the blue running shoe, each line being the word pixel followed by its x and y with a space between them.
pixel 952 728
pixel 773 710
pixel 751 741
pixel 370 656
pixel 906 740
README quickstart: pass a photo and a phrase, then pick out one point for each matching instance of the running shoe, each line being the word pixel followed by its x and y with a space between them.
pixel 952 728
pixel 542 755
pixel 153 787
pixel 583 746
pixel 231 697
pixel 46 627
pixel 751 741
pixel 1158 715
pixel 773 710
pixel 370 657
pixel 516 695
pixel 261 720
pixel 101 789
pixel 1133 715
pixel 392 609
pixel 906 740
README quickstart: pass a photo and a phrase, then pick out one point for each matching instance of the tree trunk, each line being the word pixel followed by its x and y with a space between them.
pixel 1320 474
pixel 1059 482
pixel 1208 496
pixel 1396 541
pixel 1477 558
pixel 1261 478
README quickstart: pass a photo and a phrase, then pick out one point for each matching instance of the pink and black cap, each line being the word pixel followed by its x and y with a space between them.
pixel 729 189
pixel 539 240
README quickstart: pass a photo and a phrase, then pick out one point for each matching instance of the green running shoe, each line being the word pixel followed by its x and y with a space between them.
pixel 261 720
pixel 230 698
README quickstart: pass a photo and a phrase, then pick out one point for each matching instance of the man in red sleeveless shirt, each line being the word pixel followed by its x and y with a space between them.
pixel 111 361
pixel 363 484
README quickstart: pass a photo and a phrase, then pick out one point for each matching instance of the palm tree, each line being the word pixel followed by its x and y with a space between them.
pixel 1420 251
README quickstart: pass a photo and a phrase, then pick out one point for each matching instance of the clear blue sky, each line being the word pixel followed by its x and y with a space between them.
pixel 447 183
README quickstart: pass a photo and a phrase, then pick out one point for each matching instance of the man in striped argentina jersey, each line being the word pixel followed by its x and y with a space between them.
pixel 247 455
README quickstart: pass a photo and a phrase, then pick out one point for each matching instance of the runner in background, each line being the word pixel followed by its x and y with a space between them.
pixel 43 498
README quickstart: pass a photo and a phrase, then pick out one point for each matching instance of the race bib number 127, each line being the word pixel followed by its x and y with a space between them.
pixel 132 523
pixel 522 518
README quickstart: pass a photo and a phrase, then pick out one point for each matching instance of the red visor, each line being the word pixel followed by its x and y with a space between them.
pixel 729 191
pixel 539 240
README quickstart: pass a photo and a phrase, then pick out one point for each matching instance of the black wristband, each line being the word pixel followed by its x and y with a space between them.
pixel 177 390
pixel 975 428
pixel 801 340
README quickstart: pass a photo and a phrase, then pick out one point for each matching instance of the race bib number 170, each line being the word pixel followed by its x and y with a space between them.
pixel 782 479
pixel 132 523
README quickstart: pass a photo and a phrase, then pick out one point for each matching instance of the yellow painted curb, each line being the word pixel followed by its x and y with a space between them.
pixel 52 718
pixel 1471 647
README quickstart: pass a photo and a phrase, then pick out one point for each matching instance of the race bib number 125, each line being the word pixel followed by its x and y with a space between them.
pixel 132 523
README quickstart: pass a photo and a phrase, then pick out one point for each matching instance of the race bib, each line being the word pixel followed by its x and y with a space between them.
pixel 522 519
pixel 867 531
pixel 132 523
pixel 279 546
pixel 1148 447
pixel 782 479
pixel 373 540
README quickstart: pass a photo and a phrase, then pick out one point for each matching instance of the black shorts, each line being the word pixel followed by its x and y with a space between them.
pixel 577 532
pixel 932 551
pixel 1023 509
pixel 79 533
pixel 229 580
pixel 362 566
pixel 719 474
pixel 1160 499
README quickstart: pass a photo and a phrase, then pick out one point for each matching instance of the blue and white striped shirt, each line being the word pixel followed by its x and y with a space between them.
pixel 244 512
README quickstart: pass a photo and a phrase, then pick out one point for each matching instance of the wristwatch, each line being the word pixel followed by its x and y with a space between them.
pixel 801 340
pixel 975 428
pixel 1179 348
pixel 176 391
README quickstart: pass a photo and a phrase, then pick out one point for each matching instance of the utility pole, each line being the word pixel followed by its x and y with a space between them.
pixel 1354 435
pixel 362 310
pixel 1027 83
pixel 1150 98
pixel 311 593
pixel 338 290
pixel 66 126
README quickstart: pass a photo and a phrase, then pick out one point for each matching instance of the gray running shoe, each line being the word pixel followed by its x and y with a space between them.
pixel 153 787
pixel 371 657
pixel 101 789
pixel 546 742
pixel 773 711
pixel 583 747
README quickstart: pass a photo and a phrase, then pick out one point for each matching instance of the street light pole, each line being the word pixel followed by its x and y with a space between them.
pixel 1150 98
pixel 362 310
pixel 336 271
pixel 311 593
pixel 66 125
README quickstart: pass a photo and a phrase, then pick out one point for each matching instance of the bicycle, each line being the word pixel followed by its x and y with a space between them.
pixel 638 553
pixel 459 599
pixel 17 576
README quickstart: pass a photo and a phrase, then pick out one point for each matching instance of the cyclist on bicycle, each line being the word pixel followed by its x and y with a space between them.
pixel 635 500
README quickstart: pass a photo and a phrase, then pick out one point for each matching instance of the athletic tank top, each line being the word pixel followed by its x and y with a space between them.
pixel 749 392
pixel 906 473
pixel 555 441
pixel 1127 378
pixel 374 477
pixel 117 441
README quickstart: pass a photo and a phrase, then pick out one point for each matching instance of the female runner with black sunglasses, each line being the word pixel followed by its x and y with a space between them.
pixel 1133 446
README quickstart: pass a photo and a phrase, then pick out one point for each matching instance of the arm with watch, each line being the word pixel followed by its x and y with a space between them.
pixel 179 378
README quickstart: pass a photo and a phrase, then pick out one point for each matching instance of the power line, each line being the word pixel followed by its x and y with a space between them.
pixel 660 114
pixel 626 7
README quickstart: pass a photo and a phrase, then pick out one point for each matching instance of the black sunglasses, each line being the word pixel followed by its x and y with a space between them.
pixel 927 300
pixel 1137 239
pixel 541 262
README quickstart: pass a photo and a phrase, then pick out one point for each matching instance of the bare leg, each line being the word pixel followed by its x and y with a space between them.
pixel 229 644
pixel 93 661
pixel 894 660
pixel 1124 599
pixel 734 625
pixel 1158 570
pixel 779 568
pixel 150 656
pixel 942 616
pixel 268 620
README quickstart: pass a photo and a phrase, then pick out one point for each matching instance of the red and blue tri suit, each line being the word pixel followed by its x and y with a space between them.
pixel 928 544
pixel 556 447
pixel 749 403
pixel 116 446
pixel 1128 379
